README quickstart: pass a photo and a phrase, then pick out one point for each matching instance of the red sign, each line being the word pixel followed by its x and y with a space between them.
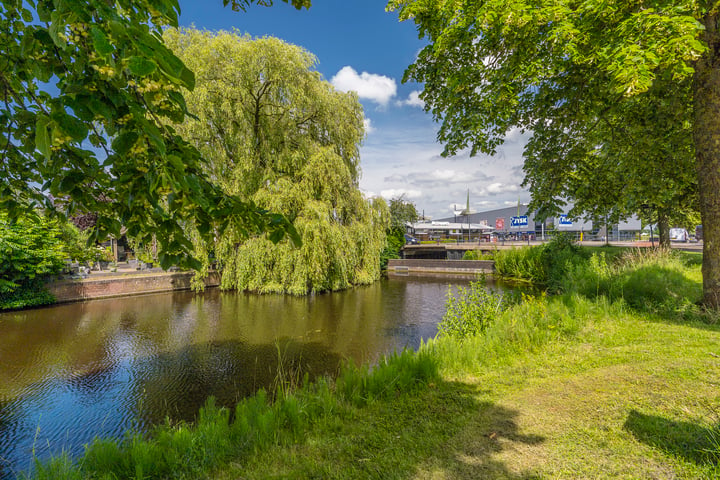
pixel 499 224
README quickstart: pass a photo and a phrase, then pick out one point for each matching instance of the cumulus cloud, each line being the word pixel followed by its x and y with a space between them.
pixel 368 126
pixel 438 177
pixel 398 192
pixel 498 188
pixel 377 88
pixel 413 100
pixel 514 134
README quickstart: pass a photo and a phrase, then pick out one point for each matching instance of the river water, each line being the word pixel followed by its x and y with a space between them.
pixel 72 372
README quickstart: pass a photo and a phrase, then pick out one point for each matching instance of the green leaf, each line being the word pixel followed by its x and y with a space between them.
pixel 141 66
pixel 54 30
pixel 188 79
pixel 123 142
pixel 42 139
pixel 100 42
pixel 71 126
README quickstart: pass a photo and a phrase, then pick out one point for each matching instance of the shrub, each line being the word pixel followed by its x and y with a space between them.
pixel 470 310
pixel 477 255
pixel 545 265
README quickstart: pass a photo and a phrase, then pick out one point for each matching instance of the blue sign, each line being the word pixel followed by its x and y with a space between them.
pixel 565 221
pixel 521 221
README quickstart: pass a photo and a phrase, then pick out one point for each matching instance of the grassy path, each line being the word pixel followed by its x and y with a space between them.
pixel 623 398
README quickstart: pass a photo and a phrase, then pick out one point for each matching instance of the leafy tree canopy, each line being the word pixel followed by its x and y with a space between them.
pixel 402 211
pixel 89 95
pixel 558 68
pixel 275 133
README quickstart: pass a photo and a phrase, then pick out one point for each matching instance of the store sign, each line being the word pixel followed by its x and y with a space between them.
pixel 520 221
pixel 499 224
pixel 564 221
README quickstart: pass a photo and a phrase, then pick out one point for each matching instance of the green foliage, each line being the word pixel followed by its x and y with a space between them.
pixel 115 88
pixel 650 281
pixel 544 265
pixel 469 311
pixel 478 255
pixel 244 4
pixel 31 249
pixel 395 239
pixel 521 264
pixel 402 212
pixel 395 374
pixel 619 96
pixel 275 133
pixel 29 293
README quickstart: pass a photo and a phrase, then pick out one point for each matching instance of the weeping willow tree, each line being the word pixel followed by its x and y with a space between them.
pixel 274 132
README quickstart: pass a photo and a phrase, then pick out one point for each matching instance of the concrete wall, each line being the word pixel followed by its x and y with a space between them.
pixel 122 285
pixel 441 266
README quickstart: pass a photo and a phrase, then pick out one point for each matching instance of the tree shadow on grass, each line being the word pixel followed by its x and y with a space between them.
pixel 442 431
pixel 689 441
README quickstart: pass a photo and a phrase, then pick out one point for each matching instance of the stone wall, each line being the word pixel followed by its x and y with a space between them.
pixel 122 285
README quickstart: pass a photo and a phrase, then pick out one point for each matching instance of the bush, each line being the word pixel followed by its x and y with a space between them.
pixel 544 265
pixel 395 243
pixel 470 310
pixel 30 248
pixel 31 293
pixel 477 255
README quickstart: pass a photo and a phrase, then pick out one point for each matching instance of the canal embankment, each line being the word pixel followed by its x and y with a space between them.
pixel 108 285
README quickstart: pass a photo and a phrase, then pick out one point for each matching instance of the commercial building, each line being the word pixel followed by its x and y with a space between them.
pixel 518 223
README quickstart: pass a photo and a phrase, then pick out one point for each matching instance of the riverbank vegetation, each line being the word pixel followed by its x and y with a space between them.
pixel 33 248
pixel 275 134
pixel 606 380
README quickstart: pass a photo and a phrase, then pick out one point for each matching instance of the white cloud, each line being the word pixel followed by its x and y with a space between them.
pixel 368 126
pixel 514 134
pixel 438 177
pixel 377 88
pixel 413 100
pixel 403 157
pixel 397 192
pixel 497 188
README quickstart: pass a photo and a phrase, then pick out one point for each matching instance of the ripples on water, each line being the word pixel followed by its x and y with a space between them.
pixel 73 372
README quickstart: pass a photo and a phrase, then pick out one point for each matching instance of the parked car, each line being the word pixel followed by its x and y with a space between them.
pixel 409 239
pixel 699 232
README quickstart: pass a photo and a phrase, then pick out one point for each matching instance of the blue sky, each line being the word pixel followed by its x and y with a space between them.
pixel 361 47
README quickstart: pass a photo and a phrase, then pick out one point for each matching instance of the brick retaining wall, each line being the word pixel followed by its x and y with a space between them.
pixel 122 285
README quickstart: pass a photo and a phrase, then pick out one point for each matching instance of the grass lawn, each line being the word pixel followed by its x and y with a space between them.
pixel 593 389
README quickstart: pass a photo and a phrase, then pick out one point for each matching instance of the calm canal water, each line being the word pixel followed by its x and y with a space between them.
pixel 73 372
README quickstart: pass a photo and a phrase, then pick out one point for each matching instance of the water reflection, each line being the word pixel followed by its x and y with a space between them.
pixel 73 372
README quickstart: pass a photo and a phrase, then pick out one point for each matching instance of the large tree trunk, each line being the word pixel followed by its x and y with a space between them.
pixel 706 93
pixel 663 229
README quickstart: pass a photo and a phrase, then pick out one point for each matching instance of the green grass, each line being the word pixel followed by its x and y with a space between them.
pixel 571 386
pixel 612 381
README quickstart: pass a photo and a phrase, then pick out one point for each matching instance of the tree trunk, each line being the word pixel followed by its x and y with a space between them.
pixel 706 135
pixel 663 229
